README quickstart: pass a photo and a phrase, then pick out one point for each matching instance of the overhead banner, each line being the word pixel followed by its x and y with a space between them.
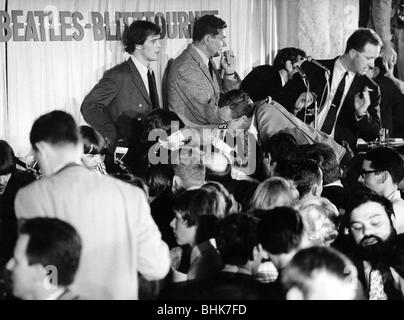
pixel 22 25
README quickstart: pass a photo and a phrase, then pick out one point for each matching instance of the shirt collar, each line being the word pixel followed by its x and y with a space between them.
pixel 340 67
pixel 205 59
pixel 140 66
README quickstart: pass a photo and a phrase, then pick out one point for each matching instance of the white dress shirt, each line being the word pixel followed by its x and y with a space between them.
pixel 143 70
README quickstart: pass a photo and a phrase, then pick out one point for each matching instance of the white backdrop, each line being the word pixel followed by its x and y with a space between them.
pixel 44 76
pixel 3 90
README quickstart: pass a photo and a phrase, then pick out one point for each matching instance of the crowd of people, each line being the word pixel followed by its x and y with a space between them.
pixel 246 189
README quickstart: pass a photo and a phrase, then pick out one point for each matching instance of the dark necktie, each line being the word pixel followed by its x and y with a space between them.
pixel 336 101
pixel 211 68
pixel 152 89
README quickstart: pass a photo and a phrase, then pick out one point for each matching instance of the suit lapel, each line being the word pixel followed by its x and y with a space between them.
pixel 137 80
pixel 195 55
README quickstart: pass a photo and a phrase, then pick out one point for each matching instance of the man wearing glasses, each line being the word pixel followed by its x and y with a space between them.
pixel 382 171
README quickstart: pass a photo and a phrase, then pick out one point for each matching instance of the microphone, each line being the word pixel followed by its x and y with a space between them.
pixel 301 72
pixel 318 64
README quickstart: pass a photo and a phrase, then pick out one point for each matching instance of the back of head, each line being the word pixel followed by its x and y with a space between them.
pixel 280 230
pixel 159 179
pixel 379 63
pixel 326 159
pixel 287 54
pixel 190 171
pixel 7 158
pixel 387 159
pixel 320 273
pixel 53 242
pixel 238 102
pixel 320 219
pixel 137 33
pixel 281 146
pixel 273 192
pixel 56 128
pixel 305 173
pixel 198 208
pixel 360 38
pixel 93 142
pixel 226 202
pixel 163 119
pixel 208 24
pixel 236 239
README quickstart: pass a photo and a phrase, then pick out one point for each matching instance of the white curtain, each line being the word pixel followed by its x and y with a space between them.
pixel 43 76
pixel 3 85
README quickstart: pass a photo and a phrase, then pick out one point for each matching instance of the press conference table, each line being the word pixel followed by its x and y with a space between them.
pixel 395 143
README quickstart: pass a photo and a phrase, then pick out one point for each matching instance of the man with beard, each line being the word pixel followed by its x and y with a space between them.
pixel 371 224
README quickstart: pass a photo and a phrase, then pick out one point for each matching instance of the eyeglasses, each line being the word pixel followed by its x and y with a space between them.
pixel 363 173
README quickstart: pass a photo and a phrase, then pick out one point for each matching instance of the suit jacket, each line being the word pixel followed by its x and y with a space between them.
pixel 116 101
pixel 271 118
pixel 347 127
pixel 261 82
pixel 192 93
pixel 391 106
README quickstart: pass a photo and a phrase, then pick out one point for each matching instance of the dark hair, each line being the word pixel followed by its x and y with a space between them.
pixel 306 263
pixel 326 159
pixel 56 127
pixel 387 159
pixel 7 158
pixel 282 146
pixel 287 54
pixel 236 239
pixel 360 38
pixel 304 172
pixel 198 208
pixel 159 178
pixel 53 242
pixel 280 230
pixel 364 196
pixel 137 33
pixel 208 24
pixel 238 102
pixel 93 142
pixel 379 62
pixel 395 255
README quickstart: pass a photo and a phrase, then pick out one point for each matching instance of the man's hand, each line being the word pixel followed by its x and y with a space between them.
pixel 228 62
pixel 305 99
pixel 362 102
pixel 389 56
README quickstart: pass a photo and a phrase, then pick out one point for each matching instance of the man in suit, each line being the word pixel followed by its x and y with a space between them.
pixel 118 104
pixel 267 80
pixel 46 259
pixel 194 84
pixel 352 109
pixel 112 217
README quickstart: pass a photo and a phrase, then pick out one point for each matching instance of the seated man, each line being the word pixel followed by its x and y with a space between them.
pixel 46 259
pixel 267 80
pixel 319 273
